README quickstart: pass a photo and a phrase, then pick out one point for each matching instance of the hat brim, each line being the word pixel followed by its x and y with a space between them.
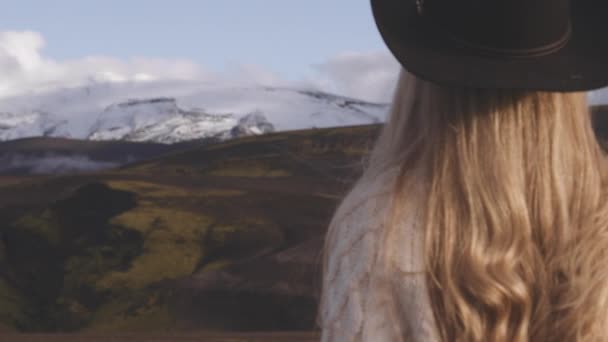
pixel 582 64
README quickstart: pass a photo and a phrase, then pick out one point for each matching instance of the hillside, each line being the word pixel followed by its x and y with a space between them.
pixel 222 237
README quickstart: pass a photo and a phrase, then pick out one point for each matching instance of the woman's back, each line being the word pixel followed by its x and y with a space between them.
pixel 366 302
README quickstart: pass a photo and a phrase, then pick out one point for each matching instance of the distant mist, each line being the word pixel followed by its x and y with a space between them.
pixel 53 164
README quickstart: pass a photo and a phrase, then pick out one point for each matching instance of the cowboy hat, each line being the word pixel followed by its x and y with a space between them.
pixel 552 45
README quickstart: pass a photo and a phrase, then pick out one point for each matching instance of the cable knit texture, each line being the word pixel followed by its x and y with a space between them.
pixel 362 301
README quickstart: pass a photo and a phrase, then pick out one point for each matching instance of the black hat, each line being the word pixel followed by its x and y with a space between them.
pixel 553 45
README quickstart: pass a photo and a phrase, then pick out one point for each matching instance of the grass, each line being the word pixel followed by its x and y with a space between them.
pixel 266 138
pixel 157 190
pixel 12 304
pixel 216 264
pixel 11 180
pixel 142 311
pixel 171 245
pixel 353 150
pixel 246 168
pixel 42 224
pixel 242 237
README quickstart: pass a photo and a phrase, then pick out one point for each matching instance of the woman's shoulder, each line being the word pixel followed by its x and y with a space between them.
pixel 353 245
pixel 357 225
pixel 360 214
pixel 369 195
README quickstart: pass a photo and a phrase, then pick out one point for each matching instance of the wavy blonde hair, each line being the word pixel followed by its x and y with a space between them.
pixel 516 223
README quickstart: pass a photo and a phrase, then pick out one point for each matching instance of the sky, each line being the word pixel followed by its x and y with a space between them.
pixel 329 45
pixel 332 44
pixel 289 35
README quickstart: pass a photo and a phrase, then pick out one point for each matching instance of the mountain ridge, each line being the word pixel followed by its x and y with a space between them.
pixel 184 111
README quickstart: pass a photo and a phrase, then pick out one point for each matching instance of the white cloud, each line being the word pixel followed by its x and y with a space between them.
pixel 253 74
pixel 18 50
pixel 367 76
pixel 24 68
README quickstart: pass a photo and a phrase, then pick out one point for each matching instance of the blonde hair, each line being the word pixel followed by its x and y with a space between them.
pixel 516 220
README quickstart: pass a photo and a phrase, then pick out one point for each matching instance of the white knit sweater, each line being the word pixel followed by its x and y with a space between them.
pixel 357 303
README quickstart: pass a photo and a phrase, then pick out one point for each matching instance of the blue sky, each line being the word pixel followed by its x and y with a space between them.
pixel 330 45
pixel 286 36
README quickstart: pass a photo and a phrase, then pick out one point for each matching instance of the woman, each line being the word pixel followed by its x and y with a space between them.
pixel 482 212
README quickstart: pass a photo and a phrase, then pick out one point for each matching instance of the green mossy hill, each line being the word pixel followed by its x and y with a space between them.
pixel 54 254
pixel 107 252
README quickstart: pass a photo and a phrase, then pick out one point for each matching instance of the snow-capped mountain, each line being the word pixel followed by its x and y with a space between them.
pixel 158 120
pixel 171 112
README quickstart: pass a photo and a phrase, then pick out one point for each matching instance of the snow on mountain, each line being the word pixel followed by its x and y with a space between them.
pixel 251 124
pixel 169 112
pixel 30 123
pixel 158 120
